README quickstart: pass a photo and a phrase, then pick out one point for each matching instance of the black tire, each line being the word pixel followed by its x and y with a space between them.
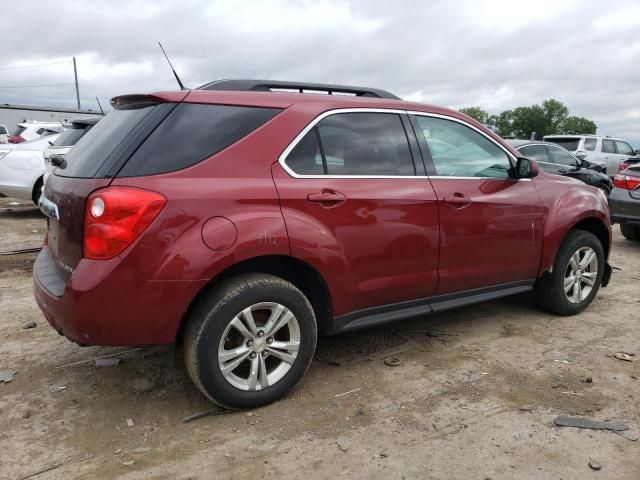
pixel 630 232
pixel 211 317
pixel 549 289
pixel 37 191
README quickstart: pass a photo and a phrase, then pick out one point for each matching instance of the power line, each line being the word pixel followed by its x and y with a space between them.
pixel 33 66
pixel 34 86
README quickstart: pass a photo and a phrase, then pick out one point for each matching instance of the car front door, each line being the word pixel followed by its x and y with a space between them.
pixel 490 224
pixel 623 151
pixel 357 209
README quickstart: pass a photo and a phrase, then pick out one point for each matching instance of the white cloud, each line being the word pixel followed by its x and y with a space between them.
pixel 498 54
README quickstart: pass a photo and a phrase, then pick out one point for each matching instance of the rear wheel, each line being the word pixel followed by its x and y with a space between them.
pixel 576 276
pixel 250 341
pixel 630 232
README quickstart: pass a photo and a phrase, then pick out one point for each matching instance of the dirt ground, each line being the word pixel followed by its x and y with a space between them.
pixel 477 404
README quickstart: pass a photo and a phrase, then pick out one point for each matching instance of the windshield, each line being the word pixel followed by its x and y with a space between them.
pixel 570 143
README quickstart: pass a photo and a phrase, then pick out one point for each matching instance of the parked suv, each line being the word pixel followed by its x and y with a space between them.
pixel 239 221
pixel 607 152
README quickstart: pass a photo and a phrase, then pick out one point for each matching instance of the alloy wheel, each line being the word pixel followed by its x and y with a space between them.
pixel 580 276
pixel 259 346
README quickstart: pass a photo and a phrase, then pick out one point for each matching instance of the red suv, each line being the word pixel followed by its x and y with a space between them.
pixel 241 218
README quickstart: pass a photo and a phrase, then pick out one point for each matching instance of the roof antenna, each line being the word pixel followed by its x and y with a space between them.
pixel 101 110
pixel 182 87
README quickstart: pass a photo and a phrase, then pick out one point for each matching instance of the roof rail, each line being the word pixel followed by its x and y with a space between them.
pixel 244 85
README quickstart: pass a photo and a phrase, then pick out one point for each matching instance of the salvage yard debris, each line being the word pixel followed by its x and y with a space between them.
pixel 6 375
pixel 207 413
pixel 581 422
pixel 627 357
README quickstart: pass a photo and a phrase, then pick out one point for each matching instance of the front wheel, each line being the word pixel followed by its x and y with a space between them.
pixel 576 276
pixel 250 341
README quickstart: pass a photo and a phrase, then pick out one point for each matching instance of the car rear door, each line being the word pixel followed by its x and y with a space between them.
pixel 359 208
pixel 490 224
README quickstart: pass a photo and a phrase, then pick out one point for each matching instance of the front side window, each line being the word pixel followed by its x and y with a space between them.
pixel 561 157
pixel 460 151
pixel 608 146
pixel 624 148
pixel 590 144
pixel 535 152
pixel 363 144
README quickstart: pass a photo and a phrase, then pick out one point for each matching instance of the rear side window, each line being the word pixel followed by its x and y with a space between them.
pixel 191 133
pixel 608 146
pixel 345 144
pixel 569 143
pixel 3 130
pixel 18 130
pixel 590 144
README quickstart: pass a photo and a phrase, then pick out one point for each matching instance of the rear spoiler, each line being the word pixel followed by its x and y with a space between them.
pixel 130 102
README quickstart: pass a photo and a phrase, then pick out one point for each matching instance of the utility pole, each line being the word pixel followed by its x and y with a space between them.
pixel 75 74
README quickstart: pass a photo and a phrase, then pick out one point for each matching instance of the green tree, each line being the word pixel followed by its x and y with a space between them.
pixel 476 113
pixel 502 123
pixel 527 120
pixel 578 125
pixel 555 114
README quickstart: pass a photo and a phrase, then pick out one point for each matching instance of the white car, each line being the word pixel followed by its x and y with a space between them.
pixel 22 169
pixel 4 134
pixel 607 152
pixel 66 140
pixel 27 131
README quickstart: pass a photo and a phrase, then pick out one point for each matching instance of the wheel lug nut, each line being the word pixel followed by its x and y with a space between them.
pixel 260 333
pixel 270 340
pixel 253 355
pixel 265 354
pixel 249 343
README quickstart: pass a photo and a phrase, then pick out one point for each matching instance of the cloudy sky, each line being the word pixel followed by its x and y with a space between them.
pixel 497 54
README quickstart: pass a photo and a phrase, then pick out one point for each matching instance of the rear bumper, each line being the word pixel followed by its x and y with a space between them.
pixel 624 208
pixel 106 303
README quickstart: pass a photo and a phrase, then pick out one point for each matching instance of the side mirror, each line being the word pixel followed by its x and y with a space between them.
pixel 580 154
pixel 637 153
pixel 584 164
pixel 526 168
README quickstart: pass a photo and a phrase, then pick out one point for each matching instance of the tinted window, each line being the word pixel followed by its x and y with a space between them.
pixel 590 144
pixel 18 130
pixel 560 156
pixel 569 143
pixel 460 151
pixel 70 137
pixel 535 152
pixel 305 158
pixel 191 133
pixel 608 146
pixel 624 148
pixel 3 130
pixel 354 144
pixel 88 155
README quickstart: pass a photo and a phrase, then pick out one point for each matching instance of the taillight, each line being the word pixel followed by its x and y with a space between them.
pixel 15 139
pixel 626 182
pixel 115 216
pixel 623 166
